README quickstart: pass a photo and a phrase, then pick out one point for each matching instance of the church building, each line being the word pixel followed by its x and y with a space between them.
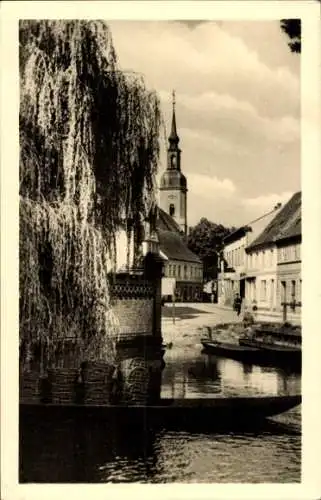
pixel 180 263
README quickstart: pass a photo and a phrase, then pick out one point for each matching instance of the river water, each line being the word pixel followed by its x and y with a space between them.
pixel 62 453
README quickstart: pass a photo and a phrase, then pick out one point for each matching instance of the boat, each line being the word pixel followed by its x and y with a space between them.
pixel 267 335
pixel 172 413
pixel 279 347
pixel 234 351
pixel 256 353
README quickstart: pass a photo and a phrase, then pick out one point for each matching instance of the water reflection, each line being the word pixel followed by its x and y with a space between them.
pixel 78 451
pixel 207 375
pixel 73 450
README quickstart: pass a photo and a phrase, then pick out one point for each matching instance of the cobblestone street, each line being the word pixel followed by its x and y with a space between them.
pixel 191 321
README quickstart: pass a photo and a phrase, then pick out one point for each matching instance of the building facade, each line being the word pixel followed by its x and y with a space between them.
pixel 289 276
pixel 242 270
pixel 273 275
pixel 233 267
pixel 181 265
pixel 261 277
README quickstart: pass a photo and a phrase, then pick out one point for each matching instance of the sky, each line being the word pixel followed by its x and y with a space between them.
pixel 237 109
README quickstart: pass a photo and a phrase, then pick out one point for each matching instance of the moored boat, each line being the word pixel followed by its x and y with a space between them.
pixel 251 352
pixel 280 347
pixel 233 351
pixel 214 412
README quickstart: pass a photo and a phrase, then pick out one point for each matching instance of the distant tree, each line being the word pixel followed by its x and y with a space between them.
pixel 206 240
pixel 292 27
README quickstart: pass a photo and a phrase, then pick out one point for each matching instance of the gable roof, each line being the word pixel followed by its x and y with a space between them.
pixel 174 248
pixel 166 223
pixel 236 235
pixel 286 224
pixel 293 228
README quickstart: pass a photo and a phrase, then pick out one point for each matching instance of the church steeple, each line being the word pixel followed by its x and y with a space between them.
pixel 173 138
pixel 173 186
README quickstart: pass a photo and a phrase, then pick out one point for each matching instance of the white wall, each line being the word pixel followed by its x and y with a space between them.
pixel 289 273
pixel 262 264
pixel 177 198
pixel 234 254
pixel 121 251
pixel 183 271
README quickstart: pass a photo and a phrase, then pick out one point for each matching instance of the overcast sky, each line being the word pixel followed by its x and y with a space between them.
pixel 237 108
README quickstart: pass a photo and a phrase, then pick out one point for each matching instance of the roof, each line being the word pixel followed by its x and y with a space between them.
pixel 286 224
pixel 237 234
pixel 173 179
pixel 173 246
pixel 293 228
pixel 171 240
pixel 166 223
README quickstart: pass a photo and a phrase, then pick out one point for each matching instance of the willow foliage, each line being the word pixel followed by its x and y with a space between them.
pixel 88 158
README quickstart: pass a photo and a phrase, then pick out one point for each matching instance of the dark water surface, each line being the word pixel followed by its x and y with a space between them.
pixel 65 452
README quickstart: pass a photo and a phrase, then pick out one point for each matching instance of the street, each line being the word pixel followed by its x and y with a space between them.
pixel 191 320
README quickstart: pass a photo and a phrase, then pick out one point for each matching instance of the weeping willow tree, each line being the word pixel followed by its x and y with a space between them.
pixel 88 159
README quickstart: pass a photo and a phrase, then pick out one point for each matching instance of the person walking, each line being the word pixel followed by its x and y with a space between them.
pixel 238 304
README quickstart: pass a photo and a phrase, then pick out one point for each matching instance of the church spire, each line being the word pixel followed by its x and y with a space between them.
pixel 173 138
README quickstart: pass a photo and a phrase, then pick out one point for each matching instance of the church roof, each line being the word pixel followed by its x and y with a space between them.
pixel 173 138
pixel 286 224
pixel 171 239
pixel 173 135
pixel 173 246
pixel 173 179
pixel 166 223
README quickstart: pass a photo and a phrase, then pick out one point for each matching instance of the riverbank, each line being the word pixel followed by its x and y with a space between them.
pixel 193 322
pixel 184 325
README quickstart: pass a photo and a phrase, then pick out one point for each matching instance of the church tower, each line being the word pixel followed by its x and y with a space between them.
pixel 173 185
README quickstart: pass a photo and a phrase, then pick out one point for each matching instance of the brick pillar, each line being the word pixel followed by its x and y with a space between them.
pixel 153 271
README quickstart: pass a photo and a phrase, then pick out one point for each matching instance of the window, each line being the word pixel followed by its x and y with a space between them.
pixel 283 294
pixel 172 210
pixel 185 272
pixel 174 270
pixel 254 290
pixel 170 270
pixel 272 294
pixel 283 254
pixel 279 254
pixel 287 253
pixel 179 271
pixel 263 290
pixel 293 295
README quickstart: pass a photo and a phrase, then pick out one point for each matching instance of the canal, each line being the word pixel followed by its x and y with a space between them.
pixel 63 452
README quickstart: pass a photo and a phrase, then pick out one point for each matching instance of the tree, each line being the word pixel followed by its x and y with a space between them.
pixel 292 27
pixel 206 240
pixel 88 158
